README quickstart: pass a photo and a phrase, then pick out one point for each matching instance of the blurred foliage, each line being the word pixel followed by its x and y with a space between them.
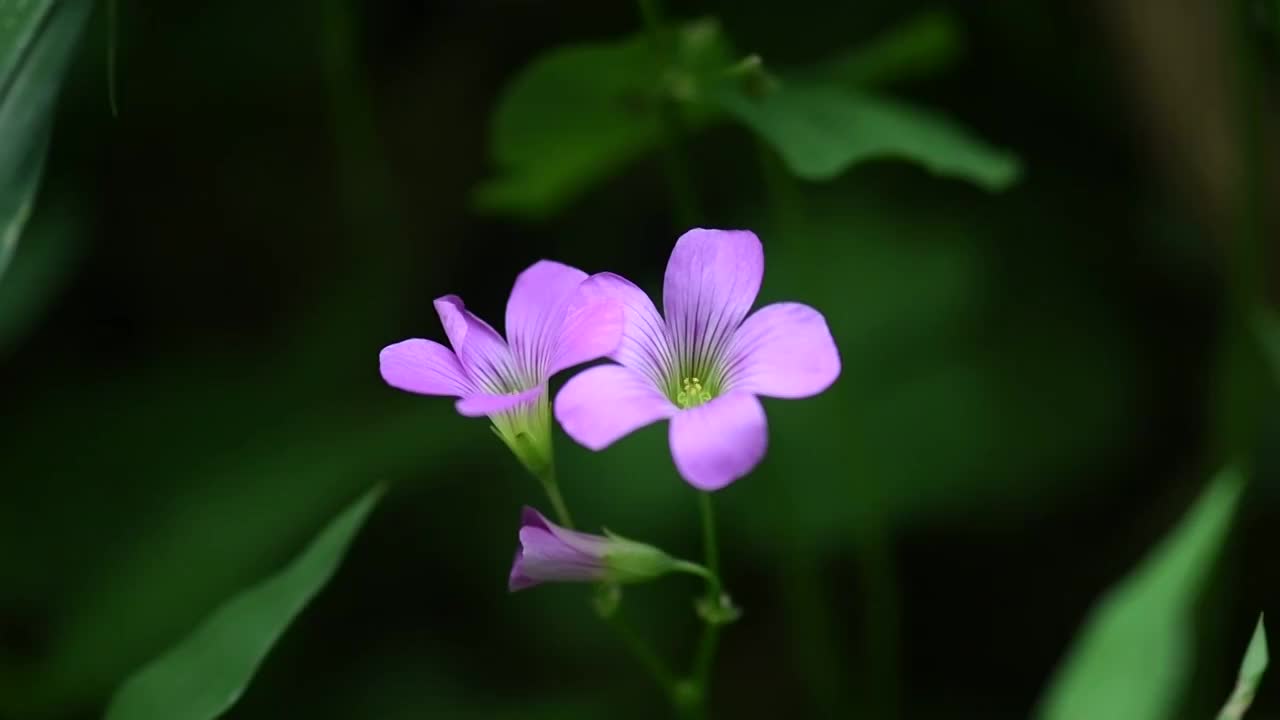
pixel 189 332
pixel 1252 667
pixel 579 114
pixel 1134 655
pixel 822 130
pixel 205 673
pixel 37 40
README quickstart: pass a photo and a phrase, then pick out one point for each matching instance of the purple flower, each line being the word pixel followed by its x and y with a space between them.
pixel 702 365
pixel 551 325
pixel 550 553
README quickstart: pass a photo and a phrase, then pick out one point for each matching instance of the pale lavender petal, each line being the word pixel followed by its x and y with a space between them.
pixel 481 350
pixel 592 329
pixel 424 367
pixel 712 279
pixel 719 442
pixel 645 345
pixel 544 557
pixel 482 404
pixel 601 404
pixel 783 350
pixel 530 517
pixel 536 312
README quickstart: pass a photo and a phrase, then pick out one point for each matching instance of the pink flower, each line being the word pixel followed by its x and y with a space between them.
pixel 551 325
pixel 703 365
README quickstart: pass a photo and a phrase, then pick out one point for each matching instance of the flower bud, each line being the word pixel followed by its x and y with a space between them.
pixel 550 553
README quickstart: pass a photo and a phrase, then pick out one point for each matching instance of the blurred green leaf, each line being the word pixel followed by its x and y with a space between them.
pixel 40 268
pixel 821 130
pixel 1133 656
pixel 579 113
pixel 204 675
pixel 1254 664
pixel 919 47
pixel 37 39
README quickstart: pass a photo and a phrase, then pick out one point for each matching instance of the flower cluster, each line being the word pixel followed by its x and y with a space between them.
pixel 702 363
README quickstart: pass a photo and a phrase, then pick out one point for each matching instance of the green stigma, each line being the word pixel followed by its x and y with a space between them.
pixel 692 394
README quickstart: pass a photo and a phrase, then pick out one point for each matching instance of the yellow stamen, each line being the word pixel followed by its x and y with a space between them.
pixel 693 393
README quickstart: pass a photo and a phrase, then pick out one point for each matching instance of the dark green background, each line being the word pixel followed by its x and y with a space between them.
pixel 189 385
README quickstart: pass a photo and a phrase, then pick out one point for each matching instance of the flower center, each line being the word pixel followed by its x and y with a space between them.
pixel 692 393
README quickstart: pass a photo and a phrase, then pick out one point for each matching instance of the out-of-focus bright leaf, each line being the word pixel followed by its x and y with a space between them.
pixel 1254 664
pixel 820 130
pixel 579 113
pixel 203 675
pixel 37 39
pixel 918 48
pixel 1132 658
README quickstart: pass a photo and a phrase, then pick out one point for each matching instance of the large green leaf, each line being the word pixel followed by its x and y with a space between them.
pixel 1134 655
pixel 1254 664
pixel 822 129
pixel 204 674
pixel 37 38
pixel 580 113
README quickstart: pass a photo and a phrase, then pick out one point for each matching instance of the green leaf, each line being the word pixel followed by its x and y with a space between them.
pixel 204 674
pixel 40 269
pixel 918 48
pixel 580 113
pixel 1134 655
pixel 1254 664
pixel 821 130
pixel 37 38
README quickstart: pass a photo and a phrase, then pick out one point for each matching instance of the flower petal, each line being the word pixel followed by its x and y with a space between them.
pixel 783 350
pixel 536 312
pixel 719 442
pixel 424 367
pixel 601 404
pixel 481 404
pixel 481 350
pixel 645 346
pixel 712 279
pixel 592 329
pixel 545 557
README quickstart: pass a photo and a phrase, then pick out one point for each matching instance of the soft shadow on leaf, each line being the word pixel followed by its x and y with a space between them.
pixel 580 113
pixel 202 676
pixel 1133 657
pixel 1254 664
pixel 37 40
pixel 821 130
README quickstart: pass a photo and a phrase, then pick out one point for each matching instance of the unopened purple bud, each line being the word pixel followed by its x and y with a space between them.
pixel 550 553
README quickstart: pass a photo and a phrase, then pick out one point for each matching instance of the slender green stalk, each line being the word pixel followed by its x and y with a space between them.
pixel 706 652
pixel 641 650
pixel 547 476
pixel 646 656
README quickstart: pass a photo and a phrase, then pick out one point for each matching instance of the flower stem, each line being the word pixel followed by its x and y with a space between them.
pixel 645 655
pixel 547 476
pixel 706 652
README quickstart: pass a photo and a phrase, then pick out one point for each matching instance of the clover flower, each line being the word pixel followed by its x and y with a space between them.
pixel 702 364
pixel 550 326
